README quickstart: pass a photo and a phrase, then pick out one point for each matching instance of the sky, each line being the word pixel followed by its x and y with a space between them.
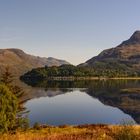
pixel 73 30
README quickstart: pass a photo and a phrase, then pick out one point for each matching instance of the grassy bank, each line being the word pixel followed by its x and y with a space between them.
pixel 91 78
pixel 83 132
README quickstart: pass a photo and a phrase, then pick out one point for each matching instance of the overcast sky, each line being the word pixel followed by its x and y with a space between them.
pixel 74 30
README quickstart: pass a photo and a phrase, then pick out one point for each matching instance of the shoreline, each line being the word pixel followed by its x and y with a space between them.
pixel 91 78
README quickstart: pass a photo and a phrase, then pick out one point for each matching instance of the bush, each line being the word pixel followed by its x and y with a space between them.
pixel 37 126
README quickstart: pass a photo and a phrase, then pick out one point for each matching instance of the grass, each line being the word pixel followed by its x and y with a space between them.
pixel 127 133
pixel 131 90
pixel 83 132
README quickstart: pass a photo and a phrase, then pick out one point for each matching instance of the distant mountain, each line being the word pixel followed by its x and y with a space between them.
pixel 19 62
pixel 126 55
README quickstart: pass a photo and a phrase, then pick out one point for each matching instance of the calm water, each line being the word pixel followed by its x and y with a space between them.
pixel 85 102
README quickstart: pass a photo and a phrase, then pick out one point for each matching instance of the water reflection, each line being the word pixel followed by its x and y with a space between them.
pixel 85 102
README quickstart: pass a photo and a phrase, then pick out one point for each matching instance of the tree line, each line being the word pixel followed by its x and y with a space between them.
pixel 75 71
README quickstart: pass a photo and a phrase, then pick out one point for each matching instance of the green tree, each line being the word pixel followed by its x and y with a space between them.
pixel 10 97
pixel 7 79
pixel 8 109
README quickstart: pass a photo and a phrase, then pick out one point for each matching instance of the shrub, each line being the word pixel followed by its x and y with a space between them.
pixel 37 126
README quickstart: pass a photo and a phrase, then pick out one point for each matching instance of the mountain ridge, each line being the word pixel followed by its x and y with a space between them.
pixel 20 62
pixel 127 53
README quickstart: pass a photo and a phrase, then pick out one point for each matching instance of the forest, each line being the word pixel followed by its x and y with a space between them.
pixel 76 71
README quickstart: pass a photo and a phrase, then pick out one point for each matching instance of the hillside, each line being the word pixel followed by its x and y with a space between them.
pixel 125 56
pixel 19 62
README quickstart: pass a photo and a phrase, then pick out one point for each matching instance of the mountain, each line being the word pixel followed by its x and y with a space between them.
pixel 19 62
pixel 126 55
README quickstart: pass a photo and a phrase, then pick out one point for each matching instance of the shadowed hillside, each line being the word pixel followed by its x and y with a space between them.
pixel 126 55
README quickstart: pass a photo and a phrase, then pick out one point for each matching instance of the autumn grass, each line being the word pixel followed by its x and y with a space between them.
pixel 131 90
pixel 83 132
pixel 128 132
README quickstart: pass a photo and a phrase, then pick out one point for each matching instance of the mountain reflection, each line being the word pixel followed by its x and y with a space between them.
pixel 123 94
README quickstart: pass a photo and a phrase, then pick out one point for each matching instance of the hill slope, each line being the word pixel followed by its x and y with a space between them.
pixel 19 62
pixel 126 55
